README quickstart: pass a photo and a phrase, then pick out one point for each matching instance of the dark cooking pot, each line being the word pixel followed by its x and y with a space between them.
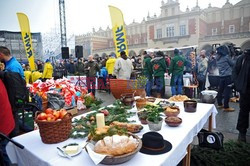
pixel 190 105
pixel 208 99
pixel 208 96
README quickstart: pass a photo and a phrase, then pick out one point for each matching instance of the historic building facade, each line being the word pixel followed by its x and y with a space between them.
pixel 229 24
pixel 13 40
pixel 176 28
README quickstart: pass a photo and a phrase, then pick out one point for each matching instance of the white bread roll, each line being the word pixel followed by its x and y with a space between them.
pixel 116 145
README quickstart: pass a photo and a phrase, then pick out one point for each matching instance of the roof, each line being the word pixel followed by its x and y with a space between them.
pixel 17 32
pixel 242 2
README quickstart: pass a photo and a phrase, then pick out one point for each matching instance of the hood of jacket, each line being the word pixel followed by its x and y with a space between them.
pixel 156 59
pixel 222 50
pixel 147 56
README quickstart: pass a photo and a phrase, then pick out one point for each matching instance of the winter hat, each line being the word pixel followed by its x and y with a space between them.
pixel 176 51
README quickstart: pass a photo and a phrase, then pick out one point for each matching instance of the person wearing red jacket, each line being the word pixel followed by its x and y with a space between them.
pixel 7 122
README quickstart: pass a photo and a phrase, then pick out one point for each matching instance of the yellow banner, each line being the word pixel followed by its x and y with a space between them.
pixel 119 31
pixel 27 40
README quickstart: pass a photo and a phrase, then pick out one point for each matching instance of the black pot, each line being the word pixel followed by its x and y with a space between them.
pixel 208 99
pixel 190 105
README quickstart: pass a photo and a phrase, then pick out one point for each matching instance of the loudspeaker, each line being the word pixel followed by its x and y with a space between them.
pixel 65 52
pixel 79 51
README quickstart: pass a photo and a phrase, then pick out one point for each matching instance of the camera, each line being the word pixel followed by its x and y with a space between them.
pixel 233 50
pixel 247 51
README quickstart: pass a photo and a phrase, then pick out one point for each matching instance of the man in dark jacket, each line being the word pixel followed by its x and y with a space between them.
pixel 241 77
pixel 148 72
pixel 92 68
pixel 159 69
pixel 58 71
pixel 71 67
pixel 176 69
pixel 39 66
pixel 79 67
pixel 225 65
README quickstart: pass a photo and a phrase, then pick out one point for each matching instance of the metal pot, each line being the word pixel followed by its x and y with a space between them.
pixel 208 97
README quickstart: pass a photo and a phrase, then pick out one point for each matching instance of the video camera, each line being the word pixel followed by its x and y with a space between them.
pixel 247 51
pixel 233 50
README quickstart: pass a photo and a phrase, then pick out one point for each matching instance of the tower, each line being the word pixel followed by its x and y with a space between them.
pixel 62 23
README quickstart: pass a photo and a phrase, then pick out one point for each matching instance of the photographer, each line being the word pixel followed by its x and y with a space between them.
pixel 225 65
pixel 241 77
pixel 212 66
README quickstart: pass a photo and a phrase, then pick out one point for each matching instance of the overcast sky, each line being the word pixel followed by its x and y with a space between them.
pixel 83 15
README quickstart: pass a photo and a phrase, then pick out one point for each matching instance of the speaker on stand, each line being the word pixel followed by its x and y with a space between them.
pixel 79 51
pixel 65 55
pixel 65 52
pixel 79 54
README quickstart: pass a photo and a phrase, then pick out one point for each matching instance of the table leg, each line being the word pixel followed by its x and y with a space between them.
pixel 194 93
pixel 210 122
pixel 187 158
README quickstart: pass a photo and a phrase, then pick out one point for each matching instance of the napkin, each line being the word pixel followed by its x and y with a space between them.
pixel 96 157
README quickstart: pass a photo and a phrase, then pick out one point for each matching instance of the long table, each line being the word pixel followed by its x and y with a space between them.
pixel 36 153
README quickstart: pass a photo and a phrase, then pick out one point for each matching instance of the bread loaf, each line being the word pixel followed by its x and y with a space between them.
pixel 116 145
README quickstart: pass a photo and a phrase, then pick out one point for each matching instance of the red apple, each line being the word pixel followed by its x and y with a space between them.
pixel 51 118
pixel 63 112
pixel 105 112
pixel 49 111
pixel 56 114
pixel 42 116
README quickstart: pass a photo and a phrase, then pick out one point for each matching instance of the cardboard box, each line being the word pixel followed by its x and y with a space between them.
pixel 73 111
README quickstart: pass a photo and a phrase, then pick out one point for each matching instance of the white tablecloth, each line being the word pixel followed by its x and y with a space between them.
pixel 36 153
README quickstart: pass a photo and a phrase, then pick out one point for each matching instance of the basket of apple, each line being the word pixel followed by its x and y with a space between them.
pixel 54 126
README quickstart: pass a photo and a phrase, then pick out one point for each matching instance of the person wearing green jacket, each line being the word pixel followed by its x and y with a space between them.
pixel 80 67
pixel 92 68
pixel 159 69
pixel 176 69
pixel 148 72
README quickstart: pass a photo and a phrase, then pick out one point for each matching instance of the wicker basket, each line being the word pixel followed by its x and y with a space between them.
pixel 119 86
pixel 114 160
pixel 54 132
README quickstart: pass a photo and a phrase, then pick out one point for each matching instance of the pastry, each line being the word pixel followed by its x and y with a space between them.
pixel 130 127
pixel 178 98
pixel 172 109
pixel 116 145
pixel 173 119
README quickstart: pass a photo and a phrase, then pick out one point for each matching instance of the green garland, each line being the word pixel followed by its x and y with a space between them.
pixel 89 102
pixel 81 127
pixel 233 154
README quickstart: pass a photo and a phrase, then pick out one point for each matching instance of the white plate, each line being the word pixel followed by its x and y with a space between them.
pixel 71 155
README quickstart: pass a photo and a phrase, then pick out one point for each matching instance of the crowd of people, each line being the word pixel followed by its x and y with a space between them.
pixel 155 66
pixel 232 72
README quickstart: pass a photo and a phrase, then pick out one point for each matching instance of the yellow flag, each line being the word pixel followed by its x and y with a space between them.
pixel 119 31
pixel 27 40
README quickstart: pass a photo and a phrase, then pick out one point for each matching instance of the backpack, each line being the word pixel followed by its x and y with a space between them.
pixel 210 139
pixel 16 87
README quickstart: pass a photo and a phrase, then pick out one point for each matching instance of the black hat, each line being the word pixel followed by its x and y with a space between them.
pixel 176 51
pixel 159 54
pixel 153 144
pixel 122 53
